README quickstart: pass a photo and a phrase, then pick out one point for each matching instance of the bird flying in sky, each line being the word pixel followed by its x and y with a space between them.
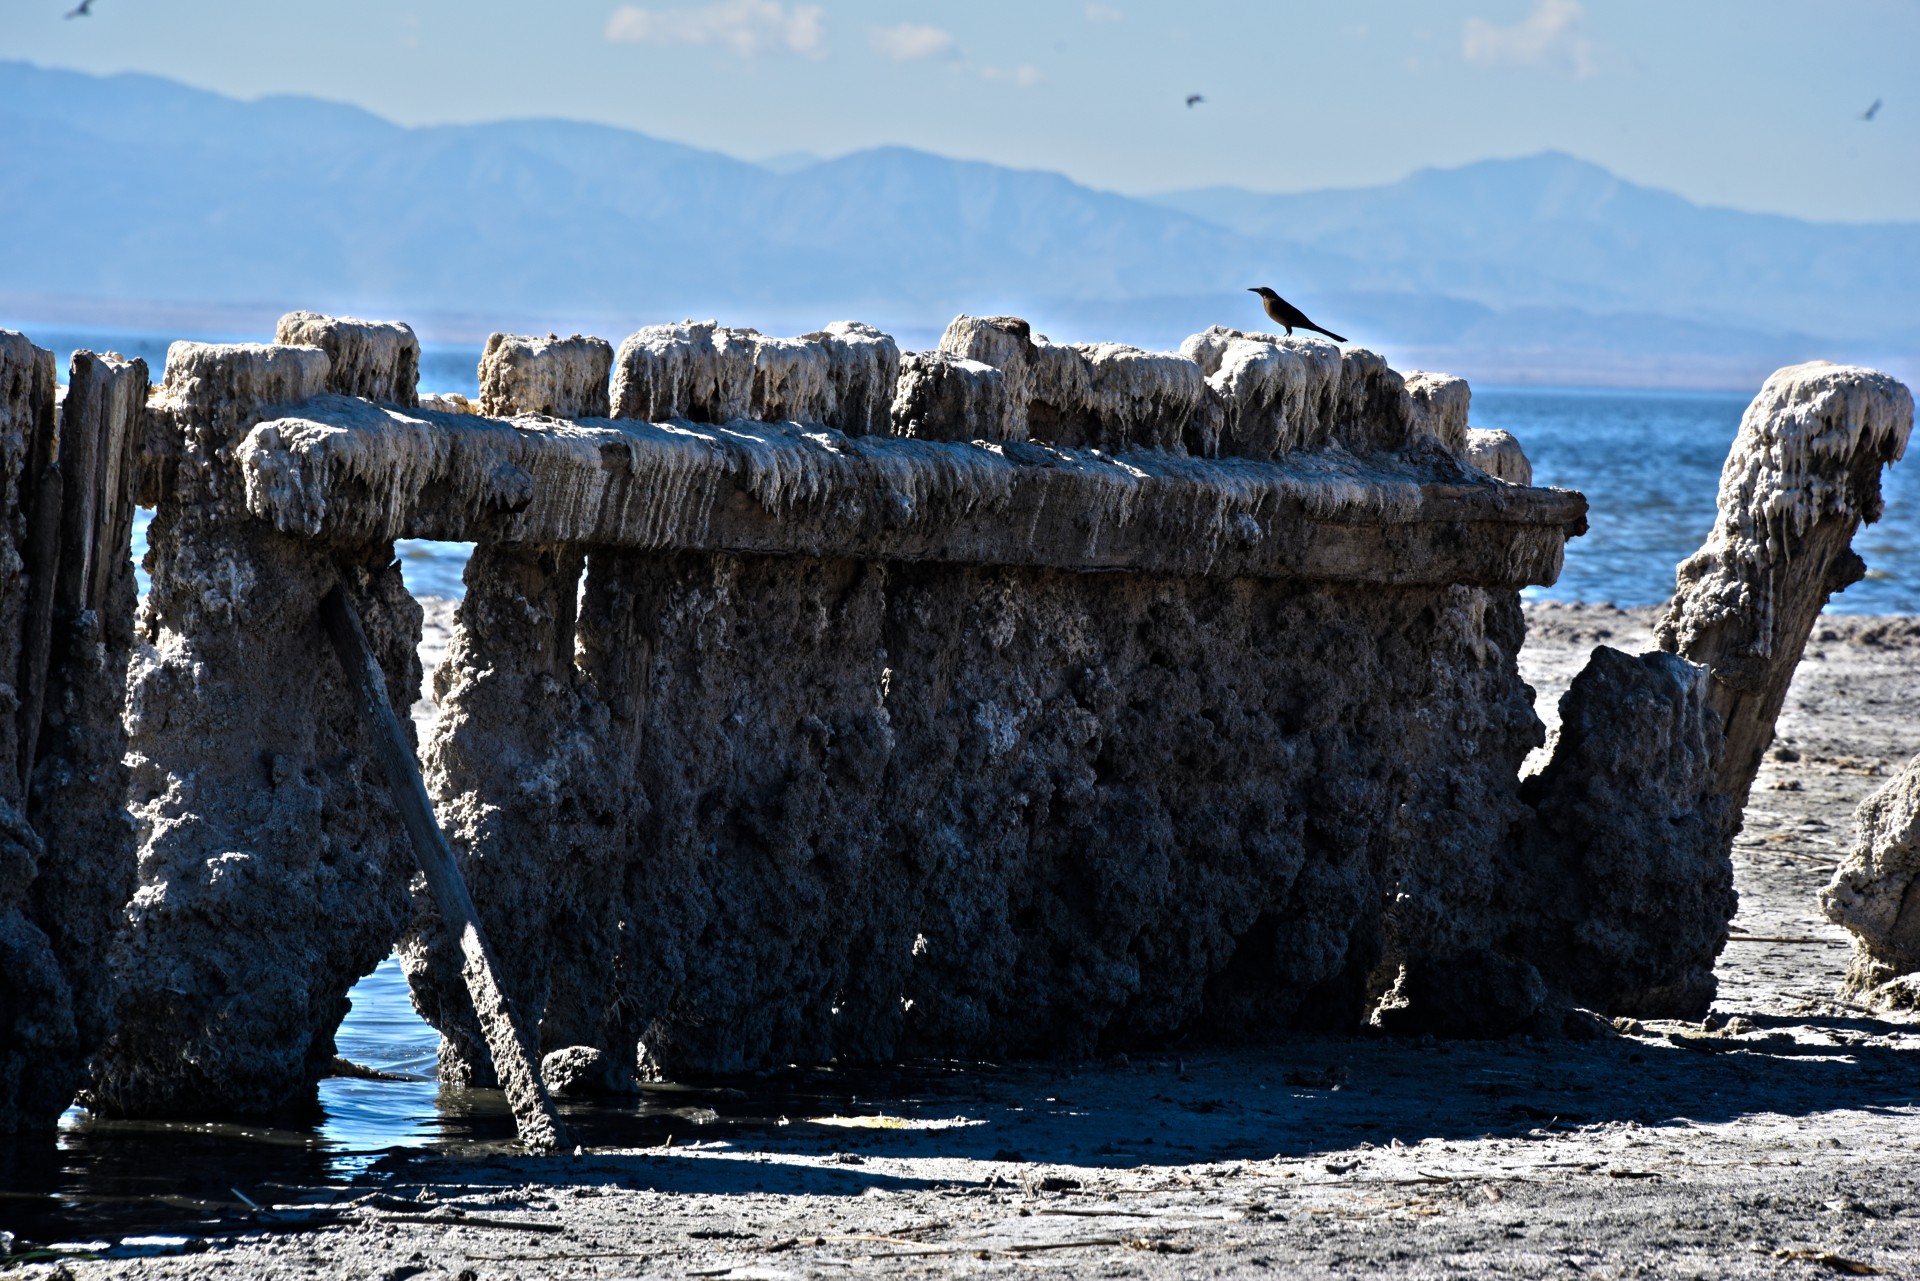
pixel 1872 111
pixel 82 10
pixel 1193 99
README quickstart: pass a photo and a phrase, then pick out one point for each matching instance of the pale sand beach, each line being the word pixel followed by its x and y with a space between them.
pixel 1783 1140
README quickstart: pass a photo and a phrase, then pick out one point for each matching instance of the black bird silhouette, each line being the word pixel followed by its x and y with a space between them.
pixel 1286 314
pixel 1872 111
pixel 82 10
pixel 1193 98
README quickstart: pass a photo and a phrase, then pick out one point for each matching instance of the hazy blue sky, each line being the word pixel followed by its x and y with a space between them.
pixel 1749 103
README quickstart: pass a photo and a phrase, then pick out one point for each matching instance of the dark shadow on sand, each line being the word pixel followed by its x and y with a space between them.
pixel 817 1131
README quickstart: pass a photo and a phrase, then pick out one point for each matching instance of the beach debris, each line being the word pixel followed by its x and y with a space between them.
pixel 1836 1262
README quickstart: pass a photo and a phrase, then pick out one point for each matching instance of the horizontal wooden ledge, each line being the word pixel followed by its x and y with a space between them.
pixel 350 471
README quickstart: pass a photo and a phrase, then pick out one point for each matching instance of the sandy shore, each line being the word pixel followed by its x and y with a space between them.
pixel 1785 1141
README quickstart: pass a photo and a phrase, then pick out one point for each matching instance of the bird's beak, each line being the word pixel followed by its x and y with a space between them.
pixel 1253 291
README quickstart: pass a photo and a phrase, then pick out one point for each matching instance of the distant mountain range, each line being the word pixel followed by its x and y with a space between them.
pixel 149 204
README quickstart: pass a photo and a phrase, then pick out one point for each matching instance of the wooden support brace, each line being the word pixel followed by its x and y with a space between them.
pixel 534 1114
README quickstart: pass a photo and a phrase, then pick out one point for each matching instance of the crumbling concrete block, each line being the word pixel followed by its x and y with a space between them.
pixel 1004 342
pixel 1873 894
pixel 554 377
pixel 1274 397
pixel 225 384
pixel 791 381
pixel 1372 411
pixel 1136 399
pixel 1439 404
pixel 943 397
pixel 843 376
pixel 1106 396
pixel 378 359
pixel 863 370
pixel 699 370
pixel 1498 454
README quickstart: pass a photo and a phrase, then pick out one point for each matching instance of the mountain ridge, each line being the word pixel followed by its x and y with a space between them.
pixel 158 198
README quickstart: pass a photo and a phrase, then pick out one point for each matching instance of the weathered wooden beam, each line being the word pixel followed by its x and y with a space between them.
pixel 42 487
pixel 353 471
pixel 514 1060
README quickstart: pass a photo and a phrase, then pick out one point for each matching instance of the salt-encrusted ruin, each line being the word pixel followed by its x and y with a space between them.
pixel 813 699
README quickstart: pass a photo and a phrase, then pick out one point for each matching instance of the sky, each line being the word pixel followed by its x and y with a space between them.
pixel 1752 104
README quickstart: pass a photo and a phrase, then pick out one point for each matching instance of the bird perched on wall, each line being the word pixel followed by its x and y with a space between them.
pixel 1194 99
pixel 1872 111
pixel 1284 313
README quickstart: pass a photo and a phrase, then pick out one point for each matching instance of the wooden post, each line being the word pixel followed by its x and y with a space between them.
pixel 42 487
pixel 513 1057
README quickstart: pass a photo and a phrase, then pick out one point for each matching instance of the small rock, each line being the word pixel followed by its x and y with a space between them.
pixel 1053 1183
pixel 1330 1077
pixel 581 1071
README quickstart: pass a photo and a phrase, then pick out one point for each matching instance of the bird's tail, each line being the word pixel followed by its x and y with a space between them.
pixel 1328 332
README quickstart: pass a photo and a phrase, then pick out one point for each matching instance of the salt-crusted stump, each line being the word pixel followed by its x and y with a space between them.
pixel 1626 884
pixel 1873 894
pixel 1803 474
pixel 272 870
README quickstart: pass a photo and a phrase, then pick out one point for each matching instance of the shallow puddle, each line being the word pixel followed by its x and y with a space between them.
pixel 100 1181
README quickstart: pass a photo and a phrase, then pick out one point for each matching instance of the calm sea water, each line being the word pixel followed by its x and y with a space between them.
pixel 1649 462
